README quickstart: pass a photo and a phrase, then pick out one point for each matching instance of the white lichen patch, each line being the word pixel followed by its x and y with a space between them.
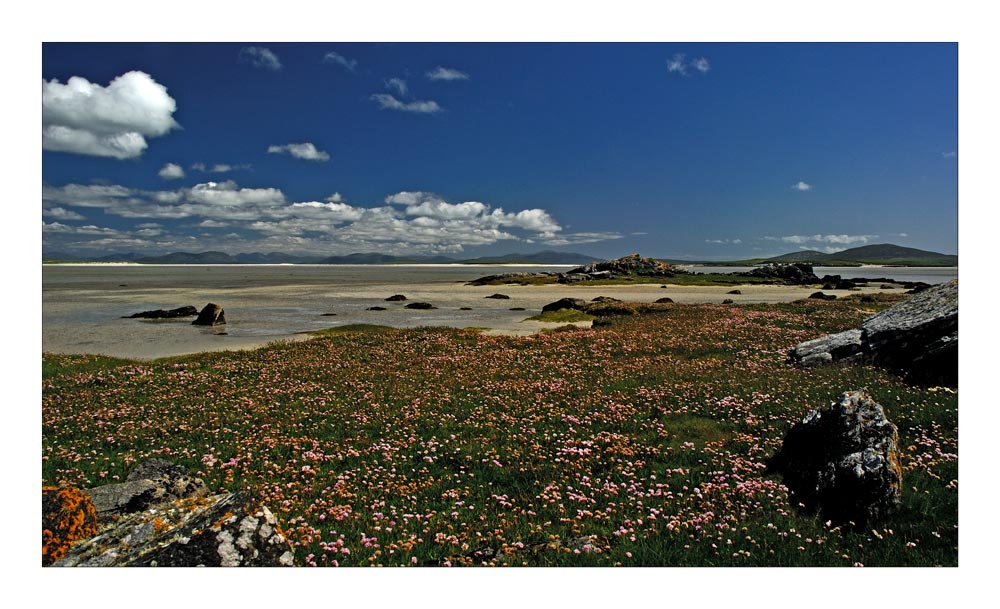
pixel 287 559
pixel 230 556
pixel 248 526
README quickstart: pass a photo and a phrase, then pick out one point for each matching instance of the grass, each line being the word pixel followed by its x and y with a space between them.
pixel 561 316
pixel 641 443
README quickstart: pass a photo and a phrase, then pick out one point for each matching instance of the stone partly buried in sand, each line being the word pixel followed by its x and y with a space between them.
pixel 187 311
pixel 843 461
pixel 161 516
pixel 917 336
pixel 211 315
pixel 420 305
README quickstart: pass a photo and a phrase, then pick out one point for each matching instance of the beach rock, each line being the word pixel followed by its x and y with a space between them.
pixel 152 481
pixel 836 282
pixel 565 303
pixel 465 308
pixel 734 292
pixel 395 298
pixel 211 315
pixel 375 309
pixel 165 314
pixel 843 461
pixel 420 305
pixel 664 300
pixel 604 299
pixel 917 337
pixel 843 346
pixel 68 516
pixel 798 273
pixel 517 308
pixel 822 296
pixel 499 296
pixel 515 278
pixel 572 277
pixel 728 301
pixel 224 530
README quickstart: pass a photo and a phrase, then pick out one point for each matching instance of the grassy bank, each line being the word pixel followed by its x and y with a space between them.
pixel 639 443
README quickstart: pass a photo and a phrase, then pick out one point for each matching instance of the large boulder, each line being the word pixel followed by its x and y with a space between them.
pixel 917 336
pixel 224 530
pixel 151 482
pixel 843 461
pixel 211 315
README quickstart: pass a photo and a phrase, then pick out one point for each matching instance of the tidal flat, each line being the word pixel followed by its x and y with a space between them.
pixel 638 443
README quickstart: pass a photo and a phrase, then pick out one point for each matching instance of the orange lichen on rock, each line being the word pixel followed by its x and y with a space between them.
pixel 68 516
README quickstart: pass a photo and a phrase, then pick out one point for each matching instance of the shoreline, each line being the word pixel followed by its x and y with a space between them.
pixel 248 327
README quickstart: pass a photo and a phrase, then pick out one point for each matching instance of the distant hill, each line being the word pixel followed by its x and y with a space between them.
pixel 373 258
pixel 545 257
pixel 883 253
pixel 190 258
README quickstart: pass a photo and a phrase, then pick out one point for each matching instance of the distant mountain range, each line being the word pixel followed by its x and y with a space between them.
pixel 546 257
pixel 884 253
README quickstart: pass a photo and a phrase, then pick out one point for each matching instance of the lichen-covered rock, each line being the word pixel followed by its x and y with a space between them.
pixel 68 516
pixel 211 315
pixel 225 530
pixel 152 481
pixel 843 461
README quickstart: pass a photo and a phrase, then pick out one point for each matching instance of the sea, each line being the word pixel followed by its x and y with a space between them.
pixel 83 305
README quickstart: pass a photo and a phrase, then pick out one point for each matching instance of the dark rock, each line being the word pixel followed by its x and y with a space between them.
pixel 225 530
pixel 633 264
pixel 68 516
pixel 836 282
pixel 798 273
pixel 728 301
pixel 917 336
pixel 375 309
pixel 329 315
pixel 843 461
pixel 499 296
pixel 395 298
pixel 565 303
pixel 664 300
pixel 465 308
pixel 885 286
pixel 211 315
pixel 734 292
pixel 165 314
pixel 420 305
pixel 514 278
pixel 604 299
pixel 867 298
pixel 153 481
pixel 822 296
pixel 517 308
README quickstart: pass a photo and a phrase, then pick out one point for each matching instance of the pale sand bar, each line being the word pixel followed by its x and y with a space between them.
pixel 260 315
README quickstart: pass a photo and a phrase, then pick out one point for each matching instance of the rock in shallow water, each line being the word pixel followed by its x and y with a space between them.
pixel 211 315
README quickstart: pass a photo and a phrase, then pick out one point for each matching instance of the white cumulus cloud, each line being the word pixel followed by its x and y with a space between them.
pixel 801 186
pixel 260 57
pixel 398 84
pixel 335 58
pixel 172 171
pixel 388 102
pixel 305 150
pixel 113 121
pixel 442 73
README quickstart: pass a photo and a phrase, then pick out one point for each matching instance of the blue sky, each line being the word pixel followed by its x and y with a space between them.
pixel 677 150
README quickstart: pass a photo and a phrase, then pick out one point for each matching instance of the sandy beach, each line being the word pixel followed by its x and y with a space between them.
pixel 87 318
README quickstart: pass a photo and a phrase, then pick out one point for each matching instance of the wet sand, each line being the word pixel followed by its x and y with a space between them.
pixel 88 320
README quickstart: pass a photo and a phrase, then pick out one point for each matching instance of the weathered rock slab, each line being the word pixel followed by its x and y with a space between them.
pixel 151 482
pixel 843 461
pixel 843 346
pixel 225 530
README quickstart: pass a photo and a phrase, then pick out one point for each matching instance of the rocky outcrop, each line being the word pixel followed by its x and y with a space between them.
pixel 224 530
pixel 633 264
pixel 164 314
pixel 161 516
pixel 566 303
pixel 822 296
pixel 211 315
pixel 836 282
pixel 843 461
pixel 797 273
pixel 151 482
pixel 918 337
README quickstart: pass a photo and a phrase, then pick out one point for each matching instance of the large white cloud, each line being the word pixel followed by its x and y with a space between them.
pixel 113 121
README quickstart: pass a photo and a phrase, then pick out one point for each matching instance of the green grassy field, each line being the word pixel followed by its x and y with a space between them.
pixel 641 442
